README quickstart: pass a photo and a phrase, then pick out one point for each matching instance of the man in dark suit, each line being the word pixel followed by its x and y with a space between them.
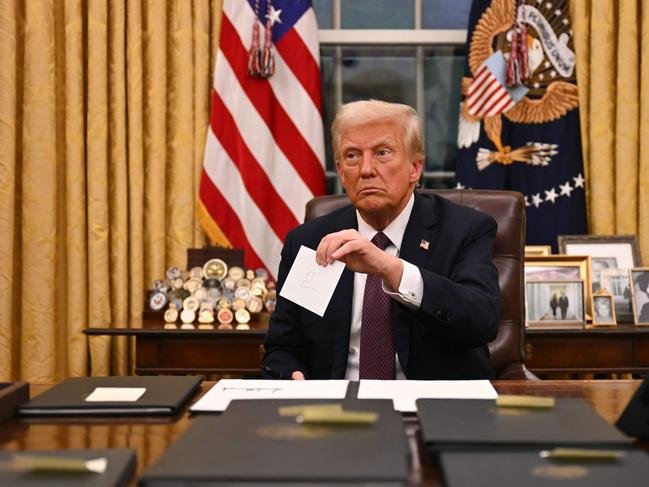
pixel 419 297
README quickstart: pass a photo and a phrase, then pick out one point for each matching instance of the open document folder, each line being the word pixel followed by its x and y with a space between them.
pixel 218 397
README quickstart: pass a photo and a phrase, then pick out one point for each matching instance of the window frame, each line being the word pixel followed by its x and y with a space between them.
pixel 340 38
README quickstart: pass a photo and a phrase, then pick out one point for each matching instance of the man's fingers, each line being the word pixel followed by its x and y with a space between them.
pixel 331 243
pixel 347 248
pixel 297 375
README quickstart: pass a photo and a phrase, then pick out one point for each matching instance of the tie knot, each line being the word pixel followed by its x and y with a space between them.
pixel 381 240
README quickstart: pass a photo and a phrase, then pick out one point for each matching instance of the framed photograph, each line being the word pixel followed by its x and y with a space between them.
pixel 555 304
pixel 603 309
pixel 561 268
pixel 639 279
pixel 616 282
pixel 535 250
pixel 606 252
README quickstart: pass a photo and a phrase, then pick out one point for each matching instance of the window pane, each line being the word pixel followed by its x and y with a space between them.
pixel 327 63
pixel 443 69
pixel 377 14
pixel 384 73
pixel 323 12
pixel 445 14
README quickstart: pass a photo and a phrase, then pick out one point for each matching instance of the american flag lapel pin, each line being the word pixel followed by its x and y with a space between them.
pixel 424 244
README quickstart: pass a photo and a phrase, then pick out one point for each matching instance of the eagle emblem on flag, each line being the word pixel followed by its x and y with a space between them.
pixel 523 68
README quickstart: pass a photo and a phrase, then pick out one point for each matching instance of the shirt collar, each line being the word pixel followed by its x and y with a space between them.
pixel 395 230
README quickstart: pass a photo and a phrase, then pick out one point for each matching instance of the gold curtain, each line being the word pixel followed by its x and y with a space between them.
pixel 612 48
pixel 104 106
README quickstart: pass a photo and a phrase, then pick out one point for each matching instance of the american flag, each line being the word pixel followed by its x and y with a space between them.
pixel 264 155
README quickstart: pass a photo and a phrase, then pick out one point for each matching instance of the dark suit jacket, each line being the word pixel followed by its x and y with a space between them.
pixel 445 339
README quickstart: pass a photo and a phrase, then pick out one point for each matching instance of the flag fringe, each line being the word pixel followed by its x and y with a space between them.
pixel 211 228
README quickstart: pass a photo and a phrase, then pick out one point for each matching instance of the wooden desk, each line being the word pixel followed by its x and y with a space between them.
pixel 159 351
pixel 624 349
pixel 151 436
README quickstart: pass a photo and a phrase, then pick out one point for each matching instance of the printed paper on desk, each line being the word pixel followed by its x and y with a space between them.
pixel 116 394
pixel 220 395
pixel 404 393
pixel 311 285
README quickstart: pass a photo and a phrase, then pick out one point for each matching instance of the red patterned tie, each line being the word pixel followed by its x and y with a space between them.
pixel 377 343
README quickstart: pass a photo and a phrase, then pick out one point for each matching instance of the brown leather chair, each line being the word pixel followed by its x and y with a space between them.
pixel 508 209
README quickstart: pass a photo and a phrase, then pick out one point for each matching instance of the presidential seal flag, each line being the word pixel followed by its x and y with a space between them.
pixel 519 118
pixel 264 155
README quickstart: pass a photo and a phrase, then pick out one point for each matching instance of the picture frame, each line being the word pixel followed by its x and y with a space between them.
pixel 555 304
pixel 606 252
pixel 536 250
pixel 616 282
pixel 561 268
pixel 603 309
pixel 639 280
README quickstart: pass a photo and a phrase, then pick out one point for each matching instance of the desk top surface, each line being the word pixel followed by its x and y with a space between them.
pixel 151 436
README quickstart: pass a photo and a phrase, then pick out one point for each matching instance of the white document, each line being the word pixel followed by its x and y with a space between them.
pixel 404 393
pixel 311 285
pixel 116 394
pixel 219 396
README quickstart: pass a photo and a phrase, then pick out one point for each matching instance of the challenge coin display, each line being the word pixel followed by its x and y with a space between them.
pixel 224 318
pixel 158 301
pixel 212 292
pixel 215 269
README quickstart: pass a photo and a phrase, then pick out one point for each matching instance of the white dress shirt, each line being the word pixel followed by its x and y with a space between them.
pixel 410 292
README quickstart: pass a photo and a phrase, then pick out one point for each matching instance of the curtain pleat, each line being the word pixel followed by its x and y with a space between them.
pixel 612 47
pixel 38 192
pixel 9 333
pixel 103 118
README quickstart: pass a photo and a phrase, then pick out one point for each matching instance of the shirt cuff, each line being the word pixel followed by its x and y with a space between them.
pixel 411 287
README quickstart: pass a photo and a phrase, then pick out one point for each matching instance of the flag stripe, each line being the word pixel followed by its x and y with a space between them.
pixel 505 104
pixel 491 91
pixel 295 53
pixel 227 179
pixel 478 85
pixel 290 92
pixel 307 27
pixel 484 93
pixel 288 137
pixel 498 97
pixel 219 208
pixel 259 139
pixel 254 177
pixel 264 152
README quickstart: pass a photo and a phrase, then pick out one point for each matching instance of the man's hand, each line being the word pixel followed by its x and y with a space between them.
pixel 297 375
pixel 360 255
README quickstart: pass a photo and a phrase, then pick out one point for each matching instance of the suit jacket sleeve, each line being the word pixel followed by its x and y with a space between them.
pixel 464 307
pixel 284 342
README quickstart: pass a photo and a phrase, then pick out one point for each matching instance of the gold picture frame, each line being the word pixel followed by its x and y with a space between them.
pixel 561 267
pixel 537 250
pixel 555 304
pixel 603 309
pixel 639 282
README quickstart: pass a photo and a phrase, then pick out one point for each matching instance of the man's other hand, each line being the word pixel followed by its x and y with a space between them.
pixel 297 375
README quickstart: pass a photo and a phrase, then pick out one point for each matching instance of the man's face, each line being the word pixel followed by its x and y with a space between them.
pixel 375 168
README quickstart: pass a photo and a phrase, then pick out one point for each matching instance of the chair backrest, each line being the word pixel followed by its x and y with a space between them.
pixel 508 209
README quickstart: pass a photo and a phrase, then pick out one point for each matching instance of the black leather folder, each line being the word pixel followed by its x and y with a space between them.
pixel 251 444
pixel 164 395
pixel 526 468
pixel 121 466
pixel 451 423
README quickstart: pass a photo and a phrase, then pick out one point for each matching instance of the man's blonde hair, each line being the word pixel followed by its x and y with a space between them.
pixel 366 111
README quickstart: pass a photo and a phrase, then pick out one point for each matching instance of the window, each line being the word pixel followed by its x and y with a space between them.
pixel 408 51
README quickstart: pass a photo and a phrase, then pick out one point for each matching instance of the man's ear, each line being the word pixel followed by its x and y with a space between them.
pixel 416 170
